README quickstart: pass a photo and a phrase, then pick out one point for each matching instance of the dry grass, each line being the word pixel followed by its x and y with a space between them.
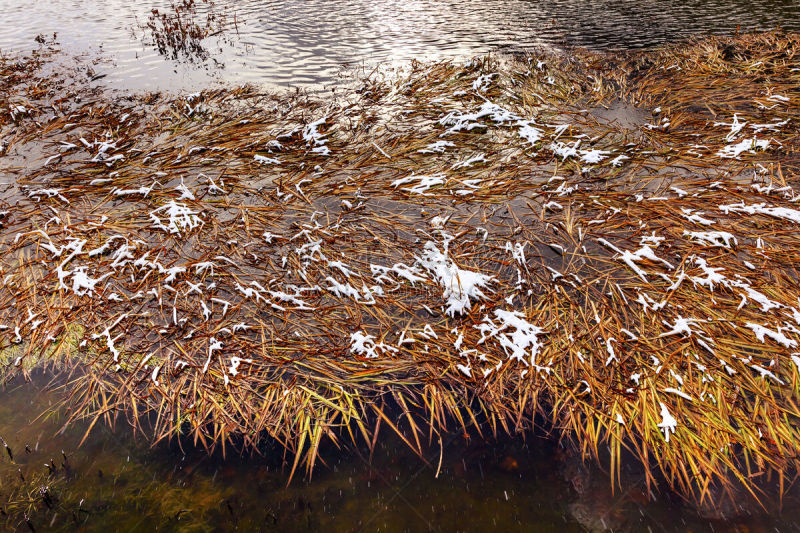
pixel 241 318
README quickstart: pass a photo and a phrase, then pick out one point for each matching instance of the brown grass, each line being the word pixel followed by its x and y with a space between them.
pixel 149 334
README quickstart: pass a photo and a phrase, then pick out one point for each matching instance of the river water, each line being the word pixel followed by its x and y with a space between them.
pixel 307 43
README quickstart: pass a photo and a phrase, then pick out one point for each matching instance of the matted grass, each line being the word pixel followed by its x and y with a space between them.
pixel 607 241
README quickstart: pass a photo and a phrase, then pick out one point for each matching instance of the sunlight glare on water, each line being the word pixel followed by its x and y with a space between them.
pixel 282 43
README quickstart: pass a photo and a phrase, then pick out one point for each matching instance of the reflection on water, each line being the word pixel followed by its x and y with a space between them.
pixel 117 482
pixel 280 42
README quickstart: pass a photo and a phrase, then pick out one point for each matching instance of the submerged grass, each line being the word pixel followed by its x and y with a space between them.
pixel 608 241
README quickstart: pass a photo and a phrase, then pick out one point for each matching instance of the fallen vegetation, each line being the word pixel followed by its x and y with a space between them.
pixel 609 242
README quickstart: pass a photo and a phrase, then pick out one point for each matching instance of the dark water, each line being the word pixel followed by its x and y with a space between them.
pixel 117 482
pixel 279 42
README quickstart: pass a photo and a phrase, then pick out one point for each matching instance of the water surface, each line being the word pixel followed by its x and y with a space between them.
pixel 116 481
pixel 306 43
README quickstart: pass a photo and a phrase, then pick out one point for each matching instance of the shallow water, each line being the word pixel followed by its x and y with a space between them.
pixel 290 43
pixel 116 481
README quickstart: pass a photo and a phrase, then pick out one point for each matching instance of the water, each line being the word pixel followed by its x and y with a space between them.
pixel 306 43
pixel 117 481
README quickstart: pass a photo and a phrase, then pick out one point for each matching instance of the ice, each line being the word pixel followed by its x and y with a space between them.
pixel 747 145
pixel 459 121
pixel 721 239
pixel 778 98
pixel 460 285
pixel 365 296
pixel 678 393
pixel 364 344
pixel 294 298
pixel 144 191
pixel 528 132
pixel 408 273
pixel 773 126
pixel 171 272
pixel 213 345
pixel 311 251
pixel 206 311
pixel 522 344
pixel 713 275
pixel 563 150
pixel 480 158
pixel 517 251
pixel 682 326
pixel 481 84
pixel 465 369
pixel 437 147
pixel 645 252
pixel 104 248
pixel 617 161
pixel 235 363
pixel 314 138
pixel 785 213
pixel 761 332
pixel 760 298
pixel 82 284
pixel 610 349
pixel 695 217
pixel 735 125
pixel 767 373
pixel 107 334
pixel 593 156
pixel 343 268
pixel 225 305
pixel 37 194
pixel 648 303
pixel 264 160
pixel 425 183
pixel 180 218
pixel 668 422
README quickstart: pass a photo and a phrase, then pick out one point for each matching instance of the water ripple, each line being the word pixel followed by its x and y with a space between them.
pixel 280 43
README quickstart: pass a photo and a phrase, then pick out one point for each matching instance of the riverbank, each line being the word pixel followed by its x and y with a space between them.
pixel 606 241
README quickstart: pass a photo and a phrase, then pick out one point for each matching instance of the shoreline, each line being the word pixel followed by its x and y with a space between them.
pixel 474 243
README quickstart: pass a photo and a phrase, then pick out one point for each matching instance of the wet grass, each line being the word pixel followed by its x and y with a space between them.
pixel 607 241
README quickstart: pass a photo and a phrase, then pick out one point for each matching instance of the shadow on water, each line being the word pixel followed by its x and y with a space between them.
pixel 117 481
pixel 288 43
